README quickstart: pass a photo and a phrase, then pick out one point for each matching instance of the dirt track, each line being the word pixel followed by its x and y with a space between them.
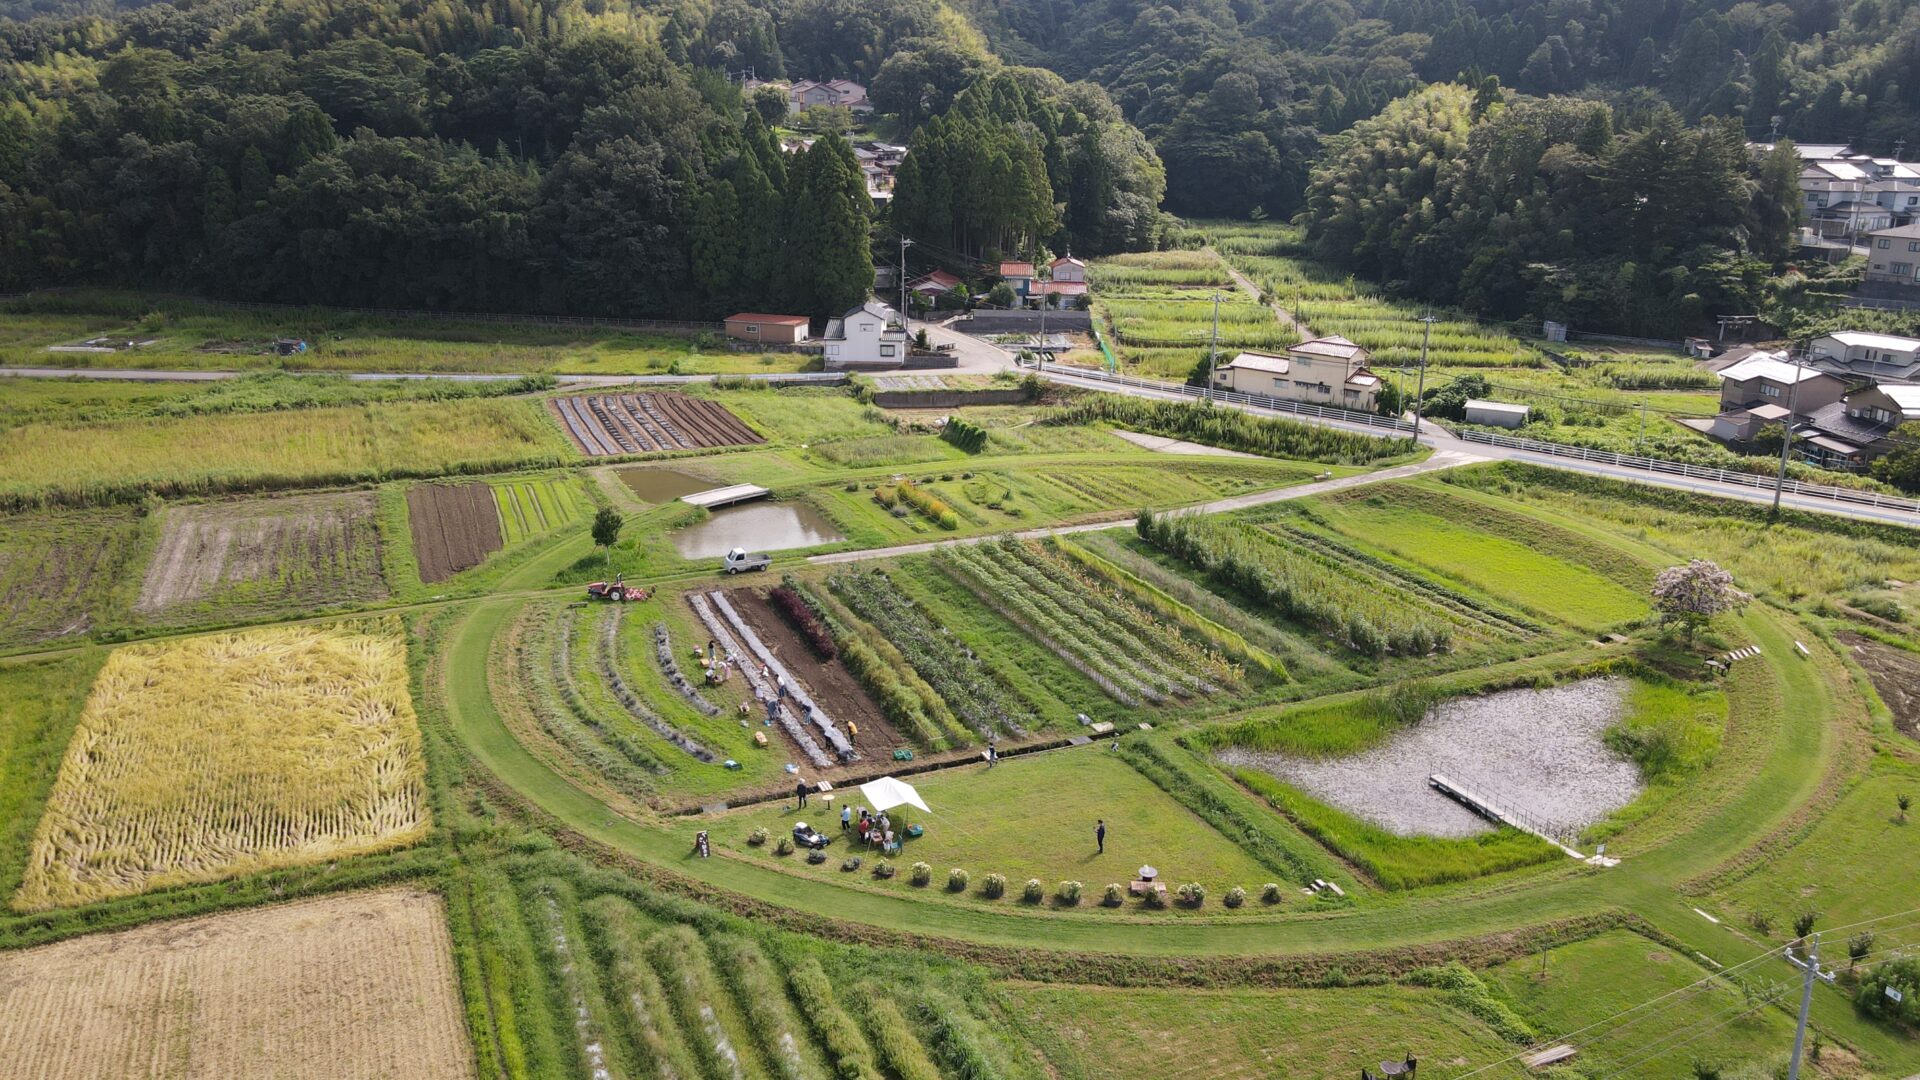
pixel 1895 674
pixel 831 684
pixel 317 548
pixel 345 987
pixel 454 526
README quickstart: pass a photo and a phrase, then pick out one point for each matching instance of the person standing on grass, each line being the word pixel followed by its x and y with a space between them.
pixel 1100 836
pixel 846 818
pixel 800 795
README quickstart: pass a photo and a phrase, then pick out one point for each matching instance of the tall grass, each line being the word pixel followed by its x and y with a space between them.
pixel 681 960
pixel 1363 614
pixel 893 1036
pixel 1346 727
pixel 617 932
pixel 846 1045
pixel 203 758
pixel 763 998
pixel 1229 429
pixel 123 461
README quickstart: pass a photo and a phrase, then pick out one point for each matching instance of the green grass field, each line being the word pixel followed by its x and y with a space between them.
pixel 194 336
pixel 117 461
pixel 67 572
pixel 1029 818
pixel 1089 1032
pixel 1508 569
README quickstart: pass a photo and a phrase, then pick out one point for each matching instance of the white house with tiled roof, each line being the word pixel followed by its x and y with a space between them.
pixel 1322 371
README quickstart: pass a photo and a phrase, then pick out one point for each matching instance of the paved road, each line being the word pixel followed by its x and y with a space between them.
pixel 1460 452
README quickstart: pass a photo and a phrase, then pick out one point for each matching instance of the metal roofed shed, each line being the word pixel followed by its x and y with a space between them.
pixel 1496 413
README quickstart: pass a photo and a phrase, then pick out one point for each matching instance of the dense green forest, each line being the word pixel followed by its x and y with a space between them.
pixel 1580 160
pixel 1516 206
pixel 506 155
pixel 1237 95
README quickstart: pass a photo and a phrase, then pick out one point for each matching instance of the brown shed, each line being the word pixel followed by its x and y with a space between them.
pixel 770 329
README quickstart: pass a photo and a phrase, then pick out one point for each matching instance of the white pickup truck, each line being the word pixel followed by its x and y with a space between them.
pixel 739 562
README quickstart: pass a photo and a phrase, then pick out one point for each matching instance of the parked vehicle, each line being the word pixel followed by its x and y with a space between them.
pixel 739 562
pixel 617 591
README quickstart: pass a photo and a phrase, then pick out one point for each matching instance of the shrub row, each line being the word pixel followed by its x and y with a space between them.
pixel 798 614
pixel 930 505
pixel 846 1045
pixel 964 434
pixel 1230 429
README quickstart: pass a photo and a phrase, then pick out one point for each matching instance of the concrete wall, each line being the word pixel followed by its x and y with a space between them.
pixel 946 399
pixel 985 323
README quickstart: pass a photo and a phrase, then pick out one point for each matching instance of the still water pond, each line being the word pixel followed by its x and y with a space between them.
pixel 756 526
pixel 665 485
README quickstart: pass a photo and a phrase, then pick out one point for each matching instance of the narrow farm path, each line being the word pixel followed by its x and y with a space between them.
pixel 1245 284
pixel 1435 463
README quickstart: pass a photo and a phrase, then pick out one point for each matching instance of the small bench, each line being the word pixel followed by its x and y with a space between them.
pixel 1142 888
pixel 1552 1055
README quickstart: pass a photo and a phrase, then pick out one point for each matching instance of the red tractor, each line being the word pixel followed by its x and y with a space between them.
pixel 617 591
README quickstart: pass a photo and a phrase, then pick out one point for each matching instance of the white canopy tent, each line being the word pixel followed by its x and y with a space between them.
pixel 887 793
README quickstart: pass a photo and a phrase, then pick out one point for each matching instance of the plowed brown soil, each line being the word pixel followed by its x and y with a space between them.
pixel 831 684
pixel 1895 674
pixel 455 526
pixel 342 988
pixel 259 556
pixel 606 424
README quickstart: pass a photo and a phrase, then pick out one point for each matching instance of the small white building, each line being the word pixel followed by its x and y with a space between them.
pixel 1496 413
pixel 869 336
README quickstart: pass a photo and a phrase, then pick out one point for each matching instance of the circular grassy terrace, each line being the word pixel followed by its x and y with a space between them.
pixel 1785 725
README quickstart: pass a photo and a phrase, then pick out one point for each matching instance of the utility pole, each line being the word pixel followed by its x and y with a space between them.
pixel 1786 442
pixel 904 245
pixel 1426 334
pixel 1213 344
pixel 1809 971
pixel 1639 443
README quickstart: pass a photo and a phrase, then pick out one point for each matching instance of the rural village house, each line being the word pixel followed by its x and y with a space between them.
pixel 1323 371
pixel 1754 393
pixel 1892 255
pixel 1868 355
pixel 870 335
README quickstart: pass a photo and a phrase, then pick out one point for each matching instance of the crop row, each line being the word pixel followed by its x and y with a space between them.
pixel 571 974
pixel 930 506
pixel 1393 333
pixel 636 706
pixel 800 616
pixel 541 659
pixel 980 700
pixel 1452 602
pixel 1364 615
pixel 1160 603
pixel 910 702
pixel 1123 649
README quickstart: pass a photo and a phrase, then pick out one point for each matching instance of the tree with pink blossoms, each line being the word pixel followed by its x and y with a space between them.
pixel 1693 594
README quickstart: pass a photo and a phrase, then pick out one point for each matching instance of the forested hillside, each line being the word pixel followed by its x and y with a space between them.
pixel 1237 96
pixel 1515 206
pixel 557 156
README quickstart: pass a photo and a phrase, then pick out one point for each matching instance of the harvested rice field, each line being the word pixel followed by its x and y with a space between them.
pixel 602 425
pixel 455 527
pixel 345 987
pixel 257 556
pixel 203 758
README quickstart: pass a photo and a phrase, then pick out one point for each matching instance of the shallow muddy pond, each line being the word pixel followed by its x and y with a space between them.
pixel 664 485
pixel 756 526
pixel 1541 751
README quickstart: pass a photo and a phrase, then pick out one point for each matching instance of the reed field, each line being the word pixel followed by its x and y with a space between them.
pixel 203 758
pixel 123 460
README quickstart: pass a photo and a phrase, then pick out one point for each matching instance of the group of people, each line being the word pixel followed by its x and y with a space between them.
pixel 870 828
pixel 718 668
